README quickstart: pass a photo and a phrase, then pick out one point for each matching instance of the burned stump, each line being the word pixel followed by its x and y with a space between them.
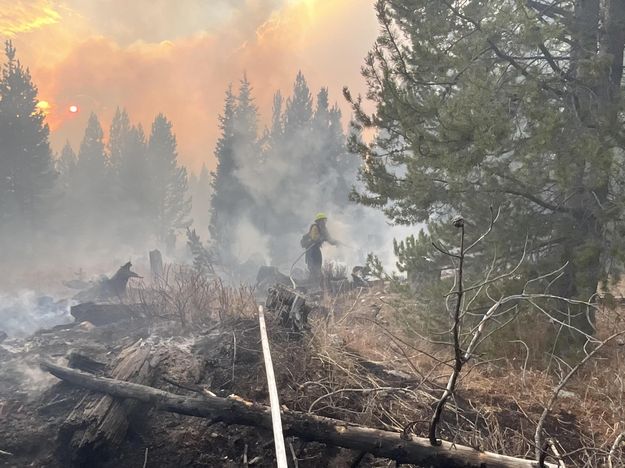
pixel 156 264
pixel 289 307
pixel 109 288
pixel 98 424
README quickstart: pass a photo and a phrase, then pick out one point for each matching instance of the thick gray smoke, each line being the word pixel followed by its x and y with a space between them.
pixel 361 230
pixel 26 311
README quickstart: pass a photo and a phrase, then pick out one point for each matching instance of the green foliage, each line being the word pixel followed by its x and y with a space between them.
pixel 203 258
pixel 414 254
pixel 375 268
pixel 472 113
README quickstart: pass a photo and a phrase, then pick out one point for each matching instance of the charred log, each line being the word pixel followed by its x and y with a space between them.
pixel 104 314
pixel 98 424
pixel 234 410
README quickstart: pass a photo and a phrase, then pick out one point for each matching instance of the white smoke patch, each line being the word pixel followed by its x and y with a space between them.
pixel 360 229
pixel 25 312
pixel 249 242
pixel 29 377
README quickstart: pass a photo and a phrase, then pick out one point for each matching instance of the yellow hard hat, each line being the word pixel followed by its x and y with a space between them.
pixel 320 216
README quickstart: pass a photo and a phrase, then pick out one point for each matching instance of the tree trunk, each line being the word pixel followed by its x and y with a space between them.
pixel 156 265
pixel 235 410
pixel 597 100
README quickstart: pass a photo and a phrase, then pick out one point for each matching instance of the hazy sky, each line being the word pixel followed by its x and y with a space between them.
pixel 178 56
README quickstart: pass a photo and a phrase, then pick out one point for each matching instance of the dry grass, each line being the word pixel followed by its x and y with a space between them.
pixel 498 401
pixel 364 363
pixel 194 299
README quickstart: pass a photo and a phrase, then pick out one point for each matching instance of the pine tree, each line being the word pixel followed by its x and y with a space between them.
pixel 118 135
pixel 298 150
pixel 169 180
pixel 246 118
pixel 66 167
pixel 91 156
pixel 306 167
pixel 335 165
pixel 277 125
pixel 201 194
pixel 134 206
pixel 529 119
pixel 299 106
pixel 238 160
pixel 92 191
pixel 92 168
pixel 26 167
pixel 226 188
pixel 134 173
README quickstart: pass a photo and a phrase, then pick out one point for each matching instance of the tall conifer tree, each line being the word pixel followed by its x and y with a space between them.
pixel 169 180
pixel 26 167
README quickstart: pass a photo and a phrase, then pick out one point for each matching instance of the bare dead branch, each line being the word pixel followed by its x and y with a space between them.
pixel 615 445
pixel 558 389
pixel 458 362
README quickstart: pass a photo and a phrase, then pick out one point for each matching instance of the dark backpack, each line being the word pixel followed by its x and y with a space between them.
pixel 306 240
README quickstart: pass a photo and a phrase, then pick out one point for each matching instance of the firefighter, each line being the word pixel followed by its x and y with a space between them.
pixel 312 242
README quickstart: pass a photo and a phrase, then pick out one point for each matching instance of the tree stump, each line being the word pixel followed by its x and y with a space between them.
pixel 98 424
pixel 156 264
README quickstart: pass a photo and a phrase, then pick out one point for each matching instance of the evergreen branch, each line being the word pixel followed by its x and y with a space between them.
pixel 551 11
pixel 551 60
pixel 500 53
pixel 534 199
pixel 399 56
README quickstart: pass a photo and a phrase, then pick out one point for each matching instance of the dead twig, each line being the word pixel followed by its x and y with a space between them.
pixel 234 353
pixel 356 390
pixel 615 445
pixel 188 386
pixel 541 421
pixel 295 463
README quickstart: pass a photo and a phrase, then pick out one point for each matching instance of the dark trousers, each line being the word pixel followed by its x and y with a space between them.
pixel 314 261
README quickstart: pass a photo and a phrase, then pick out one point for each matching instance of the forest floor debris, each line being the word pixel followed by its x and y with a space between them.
pixel 347 367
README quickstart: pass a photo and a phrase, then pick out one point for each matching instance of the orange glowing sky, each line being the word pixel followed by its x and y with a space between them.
pixel 178 57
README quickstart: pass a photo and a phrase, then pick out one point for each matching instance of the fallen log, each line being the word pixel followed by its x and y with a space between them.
pixel 98 424
pixel 234 410
pixel 104 314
